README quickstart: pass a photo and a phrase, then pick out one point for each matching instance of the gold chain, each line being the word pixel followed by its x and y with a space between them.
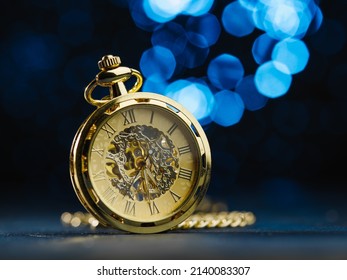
pixel 209 214
pixel 199 220
pixel 218 220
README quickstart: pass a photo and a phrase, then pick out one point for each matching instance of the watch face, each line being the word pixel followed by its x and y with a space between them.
pixel 145 164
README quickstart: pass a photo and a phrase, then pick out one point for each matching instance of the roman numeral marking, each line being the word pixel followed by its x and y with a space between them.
pixel 129 117
pixel 98 151
pixel 108 129
pixel 175 196
pixel 109 195
pixel 153 208
pixel 130 208
pixel 99 176
pixel 185 174
pixel 184 149
pixel 152 115
pixel 172 128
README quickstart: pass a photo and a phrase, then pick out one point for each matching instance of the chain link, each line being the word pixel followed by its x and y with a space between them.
pixel 218 220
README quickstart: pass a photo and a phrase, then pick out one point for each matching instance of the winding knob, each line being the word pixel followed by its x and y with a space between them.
pixel 109 62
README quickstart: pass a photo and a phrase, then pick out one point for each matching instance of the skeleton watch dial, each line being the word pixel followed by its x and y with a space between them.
pixel 145 163
pixel 136 165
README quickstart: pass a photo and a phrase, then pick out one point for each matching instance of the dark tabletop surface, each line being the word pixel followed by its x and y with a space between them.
pixel 42 236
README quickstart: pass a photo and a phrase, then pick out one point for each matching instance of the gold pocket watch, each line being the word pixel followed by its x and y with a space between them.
pixel 140 162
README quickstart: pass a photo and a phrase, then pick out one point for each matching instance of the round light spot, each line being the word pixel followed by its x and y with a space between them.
pixel 203 31
pixel 171 36
pixel 140 18
pixel 193 56
pixel 249 4
pixel 195 96
pixel 258 15
pixel 173 88
pixel 262 48
pixel 251 97
pixel 197 7
pixel 163 11
pixel 283 19
pixel 157 63
pixel 293 54
pixel 237 20
pixel 228 109
pixel 155 86
pixel 225 71
pixel 316 21
pixel 272 82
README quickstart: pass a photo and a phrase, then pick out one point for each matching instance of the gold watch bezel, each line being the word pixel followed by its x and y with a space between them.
pixel 80 153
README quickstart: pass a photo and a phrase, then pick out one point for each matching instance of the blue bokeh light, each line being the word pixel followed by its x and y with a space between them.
pixel 173 88
pixel 283 19
pixel 163 11
pixel 249 4
pixel 194 95
pixel 156 85
pixel 293 54
pixel 225 71
pixel 139 16
pixel 258 15
pixel 272 82
pixel 251 97
pixel 316 22
pixel 197 7
pixel 193 56
pixel 237 20
pixel 157 63
pixel 262 48
pixel 171 36
pixel 203 31
pixel 76 27
pixel 176 47
pixel 228 109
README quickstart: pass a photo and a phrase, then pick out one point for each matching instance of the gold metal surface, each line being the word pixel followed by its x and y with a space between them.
pixel 109 62
pixel 218 220
pixel 140 162
pixel 113 76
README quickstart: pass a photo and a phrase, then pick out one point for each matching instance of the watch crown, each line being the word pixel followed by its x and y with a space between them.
pixel 109 62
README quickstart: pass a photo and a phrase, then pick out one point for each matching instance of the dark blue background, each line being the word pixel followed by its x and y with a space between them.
pixel 288 158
